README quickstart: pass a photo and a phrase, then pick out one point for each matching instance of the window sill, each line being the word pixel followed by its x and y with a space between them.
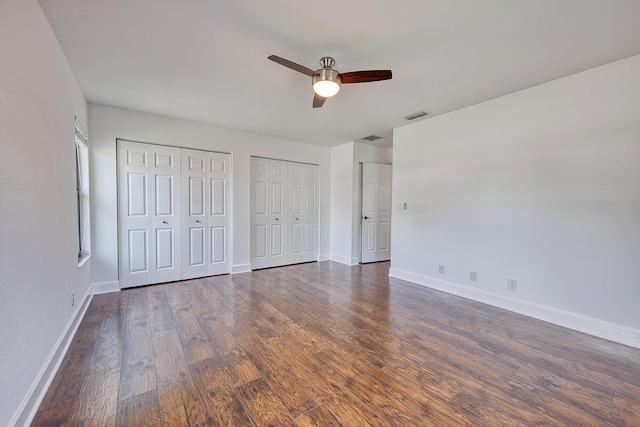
pixel 82 259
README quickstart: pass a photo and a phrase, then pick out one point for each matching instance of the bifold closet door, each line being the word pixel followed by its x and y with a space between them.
pixel 206 219
pixel 149 214
pixel 284 213
pixel 174 213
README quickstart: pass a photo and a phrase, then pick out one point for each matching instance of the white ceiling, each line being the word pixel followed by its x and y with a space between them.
pixel 206 60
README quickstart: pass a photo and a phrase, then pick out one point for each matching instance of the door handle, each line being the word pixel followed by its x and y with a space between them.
pixel 277 219
pixel 198 221
pixel 165 222
pixel 297 219
pixel 366 217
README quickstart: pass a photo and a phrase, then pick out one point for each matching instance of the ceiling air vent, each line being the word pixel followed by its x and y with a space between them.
pixel 416 115
pixel 371 137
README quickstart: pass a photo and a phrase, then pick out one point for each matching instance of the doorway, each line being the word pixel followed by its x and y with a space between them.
pixel 375 212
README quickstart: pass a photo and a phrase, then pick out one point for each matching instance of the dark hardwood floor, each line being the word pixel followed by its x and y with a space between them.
pixel 323 344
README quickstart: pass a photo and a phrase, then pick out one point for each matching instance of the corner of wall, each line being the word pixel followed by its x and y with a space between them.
pixel 106 287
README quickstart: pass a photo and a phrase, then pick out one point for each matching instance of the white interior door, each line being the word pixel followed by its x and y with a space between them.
pixel 376 212
pixel 149 214
pixel 284 213
pixel 206 218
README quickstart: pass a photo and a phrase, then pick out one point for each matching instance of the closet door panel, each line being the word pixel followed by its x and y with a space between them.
pixel 148 219
pixel 206 217
pixel 219 213
pixel 284 213
pixel 218 245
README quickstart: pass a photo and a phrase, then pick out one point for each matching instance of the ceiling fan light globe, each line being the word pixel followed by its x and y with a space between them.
pixel 326 82
pixel 326 88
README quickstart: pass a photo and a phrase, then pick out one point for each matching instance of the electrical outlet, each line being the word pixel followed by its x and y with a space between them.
pixel 73 299
pixel 512 284
pixel 441 269
pixel 474 276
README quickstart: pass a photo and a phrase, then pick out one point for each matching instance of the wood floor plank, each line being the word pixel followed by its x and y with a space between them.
pixel 328 344
pixel 107 352
pixel 349 409
pixel 96 309
pixel 427 392
pixel 59 416
pixel 625 410
pixel 180 402
pixel 263 406
pixel 170 364
pixel 318 417
pixel 180 405
pixel 174 294
pixel 160 314
pixel 237 364
pixel 194 343
pixel 213 291
pixel 222 406
pixel 98 401
pixel 198 305
pixel 142 410
pixel 138 375
pixel 138 307
pixel 291 390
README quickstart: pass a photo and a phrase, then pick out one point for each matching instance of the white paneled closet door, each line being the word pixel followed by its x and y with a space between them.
pixel 284 213
pixel 268 220
pixel 303 213
pixel 174 213
pixel 376 212
pixel 206 219
pixel 149 214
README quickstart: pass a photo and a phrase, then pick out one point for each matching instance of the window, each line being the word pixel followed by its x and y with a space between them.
pixel 82 194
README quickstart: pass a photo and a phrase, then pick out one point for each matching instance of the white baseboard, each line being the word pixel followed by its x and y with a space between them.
pixel 31 402
pixel 344 260
pixel 589 325
pixel 240 268
pixel 106 287
pixel 324 257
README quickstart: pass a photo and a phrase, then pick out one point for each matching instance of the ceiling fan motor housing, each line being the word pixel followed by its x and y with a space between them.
pixel 325 74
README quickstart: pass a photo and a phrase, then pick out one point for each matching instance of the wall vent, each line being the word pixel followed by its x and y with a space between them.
pixel 371 137
pixel 416 115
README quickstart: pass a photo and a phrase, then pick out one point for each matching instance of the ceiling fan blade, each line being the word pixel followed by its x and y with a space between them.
pixel 289 64
pixel 365 76
pixel 318 100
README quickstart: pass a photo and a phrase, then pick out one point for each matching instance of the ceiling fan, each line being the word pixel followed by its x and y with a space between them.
pixel 326 81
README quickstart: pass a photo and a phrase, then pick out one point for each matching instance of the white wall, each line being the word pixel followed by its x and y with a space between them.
pixel 543 186
pixel 39 97
pixel 109 123
pixel 342 203
pixel 345 196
